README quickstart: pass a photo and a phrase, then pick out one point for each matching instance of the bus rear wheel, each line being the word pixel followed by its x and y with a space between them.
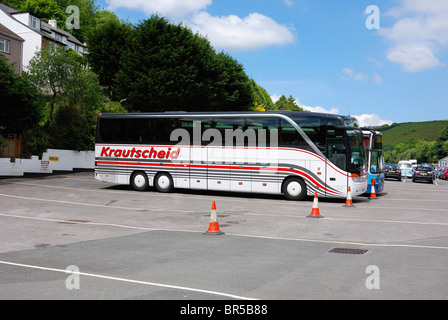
pixel 294 189
pixel 139 181
pixel 164 182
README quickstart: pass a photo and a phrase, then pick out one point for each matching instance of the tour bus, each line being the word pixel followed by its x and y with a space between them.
pixel 373 141
pixel 280 152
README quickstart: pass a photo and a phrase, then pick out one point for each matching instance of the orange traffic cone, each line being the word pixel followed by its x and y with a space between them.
pixel 213 228
pixel 349 202
pixel 372 190
pixel 315 211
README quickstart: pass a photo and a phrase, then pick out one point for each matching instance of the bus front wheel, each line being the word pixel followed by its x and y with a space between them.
pixel 139 181
pixel 294 189
pixel 164 182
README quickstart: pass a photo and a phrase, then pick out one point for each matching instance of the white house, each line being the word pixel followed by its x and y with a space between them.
pixel 36 33
pixel 443 162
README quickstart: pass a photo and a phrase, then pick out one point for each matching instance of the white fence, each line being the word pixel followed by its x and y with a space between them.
pixel 53 159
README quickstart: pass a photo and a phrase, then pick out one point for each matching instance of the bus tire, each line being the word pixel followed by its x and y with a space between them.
pixel 294 188
pixel 164 182
pixel 139 181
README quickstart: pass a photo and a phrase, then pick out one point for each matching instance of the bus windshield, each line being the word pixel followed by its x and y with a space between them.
pixel 351 122
pixel 357 151
pixel 376 161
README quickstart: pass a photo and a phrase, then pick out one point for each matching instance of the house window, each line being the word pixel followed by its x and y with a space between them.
pixel 34 22
pixel 58 37
pixel 5 45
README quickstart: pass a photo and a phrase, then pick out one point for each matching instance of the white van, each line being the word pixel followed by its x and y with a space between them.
pixel 407 167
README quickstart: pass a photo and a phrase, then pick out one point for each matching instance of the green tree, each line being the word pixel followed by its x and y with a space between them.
pixel 49 9
pixel 84 91
pixel 20 103
pixel 440 146
pixel 107 43
pixel 262 99
pixel 88 12
pixel 230 88
pixel 70 130
pixel 157 66
pixel 74 93
pixel 289 104
pixel 51 70
pixel 45 9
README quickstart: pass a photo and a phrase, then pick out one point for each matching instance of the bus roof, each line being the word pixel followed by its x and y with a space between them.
pixel 224 113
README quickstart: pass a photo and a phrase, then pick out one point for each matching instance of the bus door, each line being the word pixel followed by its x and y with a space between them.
pixel 218 156
pixel 263 155
pixel 198 158
pixel 241 158
pixel 182 162
pixel 336 166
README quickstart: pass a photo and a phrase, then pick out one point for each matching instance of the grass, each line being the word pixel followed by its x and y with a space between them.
pixel 402 132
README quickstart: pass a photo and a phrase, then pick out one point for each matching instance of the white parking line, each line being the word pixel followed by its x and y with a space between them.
pixel 242 213
pixel 233 234
pixel 147 283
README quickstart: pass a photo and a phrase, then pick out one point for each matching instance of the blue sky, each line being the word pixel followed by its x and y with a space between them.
pixel 385 64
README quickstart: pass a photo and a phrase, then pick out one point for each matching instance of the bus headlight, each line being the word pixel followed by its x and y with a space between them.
pixel 359 177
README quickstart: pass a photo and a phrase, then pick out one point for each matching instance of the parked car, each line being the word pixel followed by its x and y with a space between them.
pixel 423 173
pixel 443 173
pixel 392 171
pixel 432 168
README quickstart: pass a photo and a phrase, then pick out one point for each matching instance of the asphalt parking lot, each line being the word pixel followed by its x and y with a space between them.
pixel 69 236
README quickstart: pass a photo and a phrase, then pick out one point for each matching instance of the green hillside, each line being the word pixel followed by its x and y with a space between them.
pixel 402 132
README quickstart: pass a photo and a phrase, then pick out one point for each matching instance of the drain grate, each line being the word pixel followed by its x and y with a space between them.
pixel 348 251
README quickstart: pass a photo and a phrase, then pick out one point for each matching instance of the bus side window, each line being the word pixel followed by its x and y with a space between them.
pixel 227 126
pixel 161 130
pixel 289 137
pixel 113 131
pixel 138 131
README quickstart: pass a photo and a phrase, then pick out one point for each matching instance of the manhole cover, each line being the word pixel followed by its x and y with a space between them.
pixel 348 251
pixel 74 221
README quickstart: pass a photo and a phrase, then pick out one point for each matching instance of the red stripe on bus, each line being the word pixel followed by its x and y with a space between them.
pixel 244 148
pixel 152 164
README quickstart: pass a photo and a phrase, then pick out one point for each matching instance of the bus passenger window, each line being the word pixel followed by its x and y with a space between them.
pixel 290 137
pixel 161 130
pixel 138 131
pixel 112 131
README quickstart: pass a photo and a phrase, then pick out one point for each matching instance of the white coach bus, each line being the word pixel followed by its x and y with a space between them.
pixel 278 152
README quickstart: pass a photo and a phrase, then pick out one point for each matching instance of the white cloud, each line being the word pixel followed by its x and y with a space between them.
pixel 420 31
pixel 225 32
pixel 350 74
pixel 289 3
pixel 377 63
pixel 238 34
pixel 172 8
pixel 414 58
pixel 365 120
pixel 371 120
pixel 377 79
pixel 320 109
pixel 275 97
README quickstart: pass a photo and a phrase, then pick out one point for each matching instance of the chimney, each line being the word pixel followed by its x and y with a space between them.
pixel 53 23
